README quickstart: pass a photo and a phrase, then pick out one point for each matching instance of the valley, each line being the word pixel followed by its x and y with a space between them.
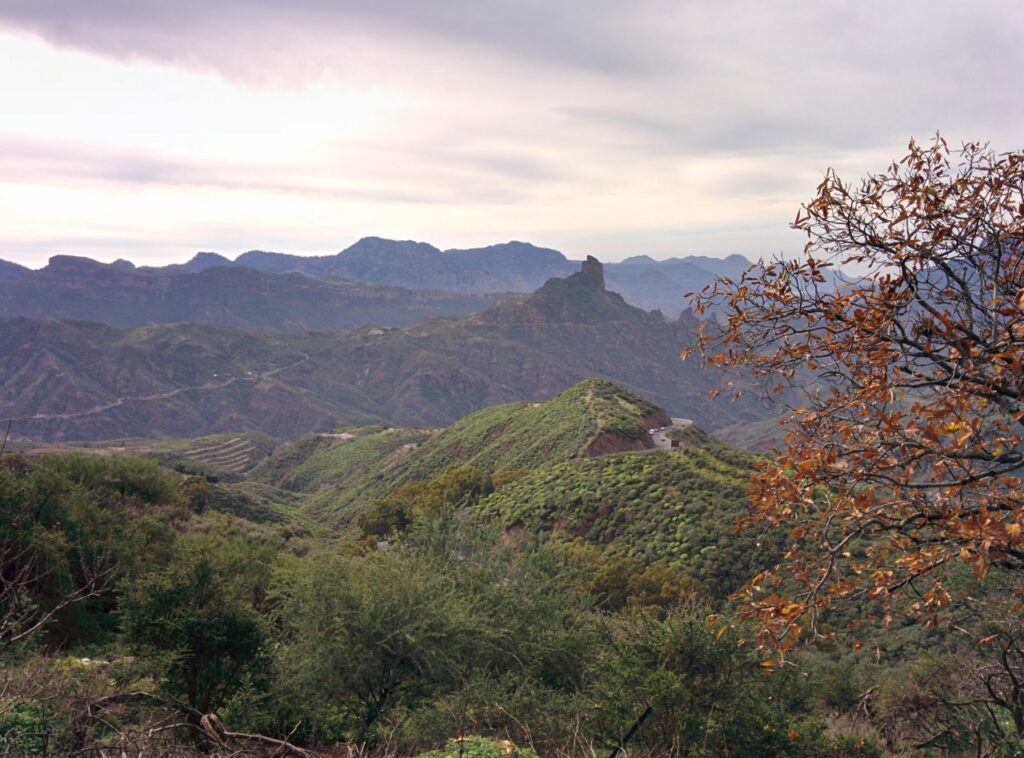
pixel 502 379
pixel 79 381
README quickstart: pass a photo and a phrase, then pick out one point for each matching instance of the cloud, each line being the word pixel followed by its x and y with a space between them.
pixel 240 36
pixel 578 122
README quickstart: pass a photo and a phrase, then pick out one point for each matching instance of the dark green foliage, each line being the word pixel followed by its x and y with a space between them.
pixel 367 636
pixel 420 502
pixel 197 617
pixel 549 612
pixel 619 581
pixel 679 507
pixel 480 747
pixel 707 697
pixel 121 477
pixel 70 525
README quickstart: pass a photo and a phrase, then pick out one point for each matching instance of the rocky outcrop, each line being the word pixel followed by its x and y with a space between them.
pixel 593 272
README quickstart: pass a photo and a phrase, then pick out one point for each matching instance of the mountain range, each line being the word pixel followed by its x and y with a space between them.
pixel 121 295
pixel 77 380
pixel 374 281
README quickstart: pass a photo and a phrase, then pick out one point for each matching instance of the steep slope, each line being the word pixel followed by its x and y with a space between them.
pixel 120 295
pixel 74 380
pixel 677 506
pixel 592 418
pixel 338 464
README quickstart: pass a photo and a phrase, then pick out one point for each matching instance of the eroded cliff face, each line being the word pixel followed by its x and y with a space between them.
pixel 592 271
pixel 609 442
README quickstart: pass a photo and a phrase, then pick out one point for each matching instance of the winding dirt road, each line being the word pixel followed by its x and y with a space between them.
pixel 162 395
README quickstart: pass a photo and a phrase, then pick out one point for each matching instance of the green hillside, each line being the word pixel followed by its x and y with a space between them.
pixel 591 418
pixel 677 506
pixel 344 473
pixel 331 474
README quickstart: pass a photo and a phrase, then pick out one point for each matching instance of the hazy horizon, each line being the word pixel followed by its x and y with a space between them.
pixel 171 259
pixel 152 130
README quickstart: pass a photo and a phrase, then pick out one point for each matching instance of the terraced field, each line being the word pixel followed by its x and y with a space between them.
pixel 222 456
pixel 235 455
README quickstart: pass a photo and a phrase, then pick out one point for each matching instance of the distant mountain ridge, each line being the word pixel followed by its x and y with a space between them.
pixel 73 380
pixel 507 267
pixel 121 295
pixel 12 272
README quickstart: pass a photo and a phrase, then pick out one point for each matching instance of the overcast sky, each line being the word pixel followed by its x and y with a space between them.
pixel 150 130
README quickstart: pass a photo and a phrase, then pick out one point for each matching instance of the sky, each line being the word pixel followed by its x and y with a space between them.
pixel 149 130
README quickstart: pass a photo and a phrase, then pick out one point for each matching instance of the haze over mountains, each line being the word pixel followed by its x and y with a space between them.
pixel 121 295
pixel 76 380
pixel 371 282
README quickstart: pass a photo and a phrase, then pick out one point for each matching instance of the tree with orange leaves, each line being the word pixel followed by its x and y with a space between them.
pixel 903 460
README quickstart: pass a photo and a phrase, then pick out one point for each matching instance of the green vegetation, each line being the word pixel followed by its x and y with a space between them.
pixel 340 475
pixel 447 632
pixel 215 456
pixel 498 588
pixel 530 435
pixel 679 507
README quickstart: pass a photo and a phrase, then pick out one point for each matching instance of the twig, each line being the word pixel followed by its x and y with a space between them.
pixel 629 735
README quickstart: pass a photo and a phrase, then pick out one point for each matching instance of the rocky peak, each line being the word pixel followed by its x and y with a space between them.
pixel 592 272
pixel 72 264
pixel 204 260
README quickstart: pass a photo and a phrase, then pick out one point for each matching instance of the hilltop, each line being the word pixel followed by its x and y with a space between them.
pixel 677 506
pixel 579 466
pixel 347 469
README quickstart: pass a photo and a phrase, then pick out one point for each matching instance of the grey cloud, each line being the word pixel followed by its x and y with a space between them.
pixel 588 34
pixel 582 90
pixel 731 75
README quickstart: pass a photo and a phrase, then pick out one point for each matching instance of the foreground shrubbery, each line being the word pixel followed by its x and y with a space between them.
pixel 446 640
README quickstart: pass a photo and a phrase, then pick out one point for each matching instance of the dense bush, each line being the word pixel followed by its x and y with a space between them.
pixel 453 637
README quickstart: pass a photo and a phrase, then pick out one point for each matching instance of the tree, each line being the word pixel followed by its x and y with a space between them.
pixel 902 461
pixel 198 616
pixel 66 535
pixel 368 635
